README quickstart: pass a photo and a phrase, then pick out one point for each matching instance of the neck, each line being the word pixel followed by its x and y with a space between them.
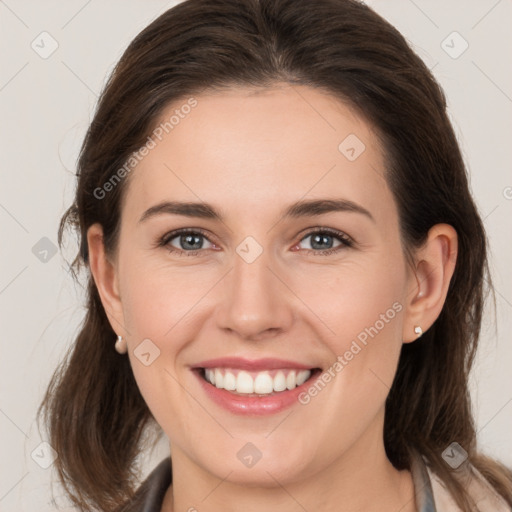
pixel 361 479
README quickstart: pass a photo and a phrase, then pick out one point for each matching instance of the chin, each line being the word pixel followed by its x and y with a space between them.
pixel 274 467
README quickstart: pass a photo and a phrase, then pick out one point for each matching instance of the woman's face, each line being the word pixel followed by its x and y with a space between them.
pixel 269 289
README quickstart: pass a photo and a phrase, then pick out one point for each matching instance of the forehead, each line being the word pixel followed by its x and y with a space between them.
pixel 247 149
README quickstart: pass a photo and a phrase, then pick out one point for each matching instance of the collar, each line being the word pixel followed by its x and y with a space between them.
pixel 422 484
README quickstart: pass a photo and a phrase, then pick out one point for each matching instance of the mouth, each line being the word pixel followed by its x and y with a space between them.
pixel 260 384
pixel 259 387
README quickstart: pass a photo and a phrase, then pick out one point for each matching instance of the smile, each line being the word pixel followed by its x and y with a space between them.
pixel 259 387
pixel 260 383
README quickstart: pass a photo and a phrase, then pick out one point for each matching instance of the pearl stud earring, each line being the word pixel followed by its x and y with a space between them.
pixel 121 345
pixel 418 330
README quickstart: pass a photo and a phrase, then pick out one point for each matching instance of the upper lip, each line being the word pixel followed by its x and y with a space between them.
pixel 252 364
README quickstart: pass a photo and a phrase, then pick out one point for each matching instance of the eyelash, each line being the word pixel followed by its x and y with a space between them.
pixel 346 241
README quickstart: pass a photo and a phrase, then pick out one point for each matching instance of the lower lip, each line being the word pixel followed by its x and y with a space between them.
pixel 254 405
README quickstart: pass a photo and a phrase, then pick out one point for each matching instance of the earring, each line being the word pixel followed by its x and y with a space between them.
pixel 418 330
pixel 121 345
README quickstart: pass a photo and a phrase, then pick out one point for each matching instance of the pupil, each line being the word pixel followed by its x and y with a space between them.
pixel 321 238
pixel 190 239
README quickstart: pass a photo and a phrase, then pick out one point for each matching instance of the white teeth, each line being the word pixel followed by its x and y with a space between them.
pixel 262 384
pixel 244 383
pixel 291 381
pixel 210 375
pixel 219 379
pixel 229 381
pixel 279 381
pixel 302 377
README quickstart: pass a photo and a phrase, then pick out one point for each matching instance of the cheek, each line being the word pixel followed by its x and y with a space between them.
pixel 354 298
pixel 362 308
pixel 148 315
pixel 156 299
pixel 160 308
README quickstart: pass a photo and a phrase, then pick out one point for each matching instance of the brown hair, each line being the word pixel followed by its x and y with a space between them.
pixel 94 412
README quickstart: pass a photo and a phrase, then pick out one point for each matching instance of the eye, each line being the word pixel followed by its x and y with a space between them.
pixel 321 241
pixel 185 241
pixel 189 241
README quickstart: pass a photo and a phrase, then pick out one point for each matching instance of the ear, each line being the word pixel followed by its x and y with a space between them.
pixel 429 280
pixel 106 280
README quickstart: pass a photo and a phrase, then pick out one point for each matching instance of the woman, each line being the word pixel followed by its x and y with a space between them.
pixel 280 236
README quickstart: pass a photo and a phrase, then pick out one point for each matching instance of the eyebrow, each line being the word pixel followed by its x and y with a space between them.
pixel 299 209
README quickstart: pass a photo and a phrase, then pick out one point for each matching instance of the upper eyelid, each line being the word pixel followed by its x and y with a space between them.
pixel 177 232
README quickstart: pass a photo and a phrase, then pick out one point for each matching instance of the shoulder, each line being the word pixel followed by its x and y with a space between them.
pixel 479 489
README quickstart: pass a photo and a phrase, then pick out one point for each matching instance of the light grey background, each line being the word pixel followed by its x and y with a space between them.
pixel 46 105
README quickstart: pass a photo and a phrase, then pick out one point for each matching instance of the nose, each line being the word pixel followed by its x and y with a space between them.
pixel 255 301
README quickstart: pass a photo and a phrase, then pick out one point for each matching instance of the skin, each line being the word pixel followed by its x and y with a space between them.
pixel 250 153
